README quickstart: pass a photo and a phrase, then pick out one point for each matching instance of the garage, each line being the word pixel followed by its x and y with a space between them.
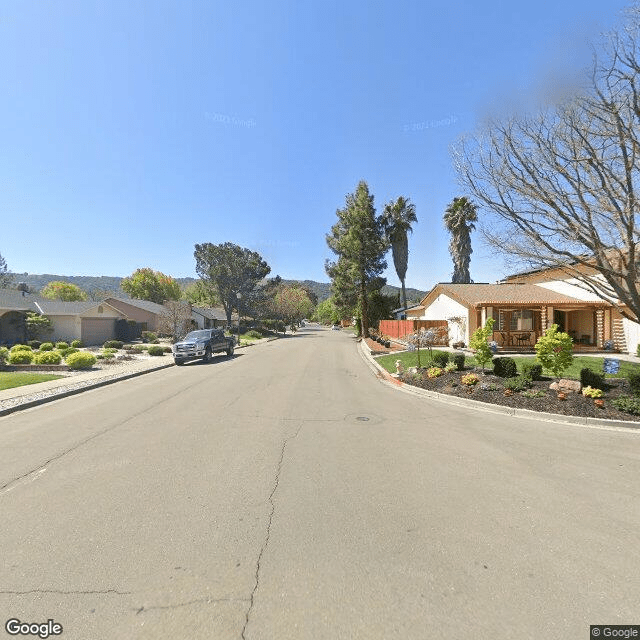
pixel 96 331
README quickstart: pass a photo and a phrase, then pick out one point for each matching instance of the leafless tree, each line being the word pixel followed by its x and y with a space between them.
pixel 176 321
pixel 559 182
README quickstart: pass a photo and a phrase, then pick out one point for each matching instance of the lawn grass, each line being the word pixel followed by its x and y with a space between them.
pixel 12 379
pixel 410 359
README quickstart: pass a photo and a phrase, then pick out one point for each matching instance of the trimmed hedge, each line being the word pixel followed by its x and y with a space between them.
pixel 155 350
pixel 20 347
pixel 48 357
pixel 80 360
pixel 458 360
pixel 440 358
pixel 532 370
pixel 113 344
pixel 62 345
pixel 21 356
pixel 46 346
pixel 505 367
pixel 634 381
pixel 590 378
pixel 77 344
pixel 34 344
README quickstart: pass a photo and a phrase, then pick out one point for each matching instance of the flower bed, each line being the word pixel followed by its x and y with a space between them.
pixel 538 397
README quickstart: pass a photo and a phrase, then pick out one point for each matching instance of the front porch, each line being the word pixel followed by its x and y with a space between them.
pixel 517 328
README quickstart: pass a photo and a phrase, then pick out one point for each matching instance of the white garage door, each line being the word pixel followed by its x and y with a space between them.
pixel 96 331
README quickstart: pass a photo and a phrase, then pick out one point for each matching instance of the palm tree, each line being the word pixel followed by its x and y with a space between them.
pixel 397 219
pixel 458 219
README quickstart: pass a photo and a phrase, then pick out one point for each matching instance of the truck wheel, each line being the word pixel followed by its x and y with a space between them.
pixel 230 350
pixel 179 363
pixel 207 356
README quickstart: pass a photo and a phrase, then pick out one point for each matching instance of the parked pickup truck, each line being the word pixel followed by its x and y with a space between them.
pixel 200 345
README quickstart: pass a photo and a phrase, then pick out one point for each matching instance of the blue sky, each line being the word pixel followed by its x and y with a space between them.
pixel 132 130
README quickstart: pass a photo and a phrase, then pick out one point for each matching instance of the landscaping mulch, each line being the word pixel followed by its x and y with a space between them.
pixel 490 390
pixel 378 348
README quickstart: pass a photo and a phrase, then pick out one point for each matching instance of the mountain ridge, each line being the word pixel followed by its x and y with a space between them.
pixel 95 286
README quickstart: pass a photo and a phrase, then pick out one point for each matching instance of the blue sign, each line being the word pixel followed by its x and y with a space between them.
pixel 611 365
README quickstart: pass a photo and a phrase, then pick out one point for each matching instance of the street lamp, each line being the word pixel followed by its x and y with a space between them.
pixel 238 296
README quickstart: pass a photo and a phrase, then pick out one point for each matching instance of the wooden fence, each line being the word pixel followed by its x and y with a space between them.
pixel 400 328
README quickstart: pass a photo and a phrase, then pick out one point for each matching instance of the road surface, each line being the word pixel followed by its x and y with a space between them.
pixel 285 493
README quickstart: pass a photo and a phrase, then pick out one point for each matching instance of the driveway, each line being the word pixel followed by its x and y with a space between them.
pixel 287 493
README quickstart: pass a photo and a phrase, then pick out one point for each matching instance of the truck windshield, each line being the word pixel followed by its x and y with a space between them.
pixel 198 335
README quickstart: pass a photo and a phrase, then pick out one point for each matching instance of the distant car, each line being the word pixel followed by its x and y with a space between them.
pixel 336 327
pixel 199 345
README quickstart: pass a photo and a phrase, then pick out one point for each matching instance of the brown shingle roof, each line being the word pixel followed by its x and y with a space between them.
pixel 474 295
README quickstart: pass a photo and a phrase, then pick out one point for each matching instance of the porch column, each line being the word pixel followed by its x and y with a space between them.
pixel 600 328
pixel 543 319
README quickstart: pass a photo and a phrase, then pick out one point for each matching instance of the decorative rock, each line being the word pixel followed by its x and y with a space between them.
pixel 568 386
pixel 399 367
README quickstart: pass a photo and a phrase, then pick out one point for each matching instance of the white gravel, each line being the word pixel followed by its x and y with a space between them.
pixel 102 372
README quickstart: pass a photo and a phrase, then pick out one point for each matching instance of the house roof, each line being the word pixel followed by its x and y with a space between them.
pixel 62 308
pixel 14 300
pixel 216 313
pixel 152 307
pixel 476 295
pixel 415 306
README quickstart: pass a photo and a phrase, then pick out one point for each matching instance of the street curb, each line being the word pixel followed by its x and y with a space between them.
pixel 73 392
pixel 386 378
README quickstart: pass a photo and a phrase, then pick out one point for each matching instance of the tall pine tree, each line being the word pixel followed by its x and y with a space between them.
pixel 359 243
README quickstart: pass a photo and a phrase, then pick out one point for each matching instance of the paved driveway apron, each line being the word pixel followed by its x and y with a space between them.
pixel 287 494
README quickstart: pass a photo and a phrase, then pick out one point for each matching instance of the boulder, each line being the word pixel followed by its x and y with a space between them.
pixel 568 386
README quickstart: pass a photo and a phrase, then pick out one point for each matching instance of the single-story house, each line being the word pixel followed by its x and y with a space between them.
pixel 91 322
pixel 211 318
pixel 408 313
pixel 522 312
pixel 143 311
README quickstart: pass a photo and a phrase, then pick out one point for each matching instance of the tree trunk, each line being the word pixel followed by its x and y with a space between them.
pixel 364 308
pixel 404 298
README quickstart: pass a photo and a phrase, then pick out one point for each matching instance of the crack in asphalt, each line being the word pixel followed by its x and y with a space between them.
pixel 66 593
pixel 142 609
pixel 268 533
pixel 9 485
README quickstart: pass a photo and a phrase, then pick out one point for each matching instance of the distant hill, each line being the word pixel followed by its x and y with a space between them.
pixel 97 286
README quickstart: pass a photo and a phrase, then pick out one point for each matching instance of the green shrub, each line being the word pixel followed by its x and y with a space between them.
pixel 109 350
pixel 638 350
pixel 34 344
pixel 46 346
pixel 519 383
pixel 532 370
pixel 80 360
pixel 554 350
pixel 253 334
pixel 65 352
pixel 156 350
pixel 458 360
pixel 166 348
pixel 479 342
pixel 21 356
pixel 440 358
pixel 62 345
pixel 48 357
pixel 140 347
pixel 628 405
pixel 505 367
pixel 590 378
pixel 149 336
pixel 633 378
pixel 4 354
pixel 113 344
pixel 20 347
pixel 77 344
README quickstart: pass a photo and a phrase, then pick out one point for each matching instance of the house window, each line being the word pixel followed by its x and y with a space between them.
pixel 516 320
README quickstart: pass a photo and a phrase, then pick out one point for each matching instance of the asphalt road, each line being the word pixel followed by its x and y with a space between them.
pixel 287 494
